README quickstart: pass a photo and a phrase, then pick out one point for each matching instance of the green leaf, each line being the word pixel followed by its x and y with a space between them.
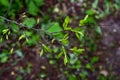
pixel 73 58
pixel 5 31
pixel 4 2
pixel 19 53
pixel 94 59
pixel 59 55
pixel 64 51
pixel 65 24
pixel 33 39
pixel 65 60
pixel 2 55
pixel 65 55
pixel 4 59
pixel 79 51
pixel 29 22
pixel 88 66
pixel 84 21
pixel 41 52
pixel 32 8
pixel 39 2
pixel 64 41
pixel 47 49
pixel 72 77
pixel 94 5
pixel 11 50
pixel 6 37
pixel 14 27
pixel 98 30
pixel 21 37
pixel 86 17
pixel 77 31
pixel 54 28
pixel 19 77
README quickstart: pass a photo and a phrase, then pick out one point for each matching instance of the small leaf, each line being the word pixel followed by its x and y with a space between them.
pixel 41 52
pixel 98 30
pixel 5 31
pixel 21 37
pixel 65 60
pixel 64 51
pixel 88 66
pixel 11 51
pixel 94 59
pixel 65 55
pixel 79 51
pixel 19 53
pixel 72 77
pixel 29 22
pixel 4 59
pixel 67 19
pixel 59 55
pixel 84 21
pixel 65 24
pixel 47 49
pixel 86 17
pixel 7 37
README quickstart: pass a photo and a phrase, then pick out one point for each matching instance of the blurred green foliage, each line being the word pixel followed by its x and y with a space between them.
pixel 23 23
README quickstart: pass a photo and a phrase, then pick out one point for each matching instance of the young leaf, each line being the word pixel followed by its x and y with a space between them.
pixel 7 37
pixel 41 52
pixel 65 60
pixel 86 17
pixel 79 51
pixel 65 55
pixel 47 49
pixel 11 51
pixel 64 51
pixel 5 31
pixel 59 55
pixel 84 21
pixel 21 37
pixel 65 24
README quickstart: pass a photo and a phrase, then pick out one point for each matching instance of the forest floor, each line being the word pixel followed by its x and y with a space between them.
pixel 109 45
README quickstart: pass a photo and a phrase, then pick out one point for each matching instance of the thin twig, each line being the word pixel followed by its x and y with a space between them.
pixel 15 22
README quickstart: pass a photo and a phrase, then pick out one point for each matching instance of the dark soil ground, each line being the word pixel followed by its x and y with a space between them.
pixel 109 45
